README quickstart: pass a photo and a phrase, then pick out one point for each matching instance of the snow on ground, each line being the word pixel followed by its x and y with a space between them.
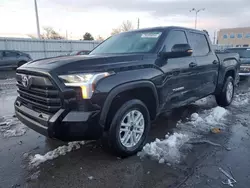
pixel 11 127
pixel 241 99
pixel 168 150
pixel 204 122
pixel 7 84
pixel 61 150
pixel 204 101
pixel 19 130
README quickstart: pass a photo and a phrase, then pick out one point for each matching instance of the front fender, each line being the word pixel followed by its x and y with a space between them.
pixel 125 87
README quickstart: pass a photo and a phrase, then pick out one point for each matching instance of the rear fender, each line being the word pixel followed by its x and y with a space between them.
pixel 228 64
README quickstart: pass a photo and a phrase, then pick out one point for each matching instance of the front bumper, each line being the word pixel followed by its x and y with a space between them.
pixel 244 73
pixel 63 125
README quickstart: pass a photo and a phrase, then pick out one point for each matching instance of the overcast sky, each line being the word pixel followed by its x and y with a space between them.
pixel 99 17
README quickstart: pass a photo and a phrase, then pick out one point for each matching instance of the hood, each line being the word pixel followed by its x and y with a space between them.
pixel 84 63
pixel 245 60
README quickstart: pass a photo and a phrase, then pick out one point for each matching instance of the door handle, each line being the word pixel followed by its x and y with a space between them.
pixel 215 62
pixel 192 64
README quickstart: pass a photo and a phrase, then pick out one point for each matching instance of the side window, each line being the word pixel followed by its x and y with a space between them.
pixel 175 37
pixel 199 44
pixel 11 54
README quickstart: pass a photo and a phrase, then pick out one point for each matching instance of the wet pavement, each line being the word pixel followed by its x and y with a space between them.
pixel 93 166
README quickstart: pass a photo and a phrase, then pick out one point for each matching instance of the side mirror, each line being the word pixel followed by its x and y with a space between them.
pixel 178 50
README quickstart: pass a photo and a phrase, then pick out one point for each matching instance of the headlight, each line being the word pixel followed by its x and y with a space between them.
pixel 85 81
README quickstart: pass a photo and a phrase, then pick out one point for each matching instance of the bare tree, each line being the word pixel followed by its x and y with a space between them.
pixel 125 26
pixel 50 33
pixel 116 31
pixel 100 38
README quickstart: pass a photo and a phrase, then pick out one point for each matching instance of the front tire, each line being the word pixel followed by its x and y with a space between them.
pixel 129 128
pixel 226 95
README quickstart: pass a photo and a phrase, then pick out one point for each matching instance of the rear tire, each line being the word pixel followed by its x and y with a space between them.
pixel 225 97
pixel 129 128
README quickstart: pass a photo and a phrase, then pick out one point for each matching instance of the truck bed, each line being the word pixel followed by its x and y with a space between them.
pixel 224 56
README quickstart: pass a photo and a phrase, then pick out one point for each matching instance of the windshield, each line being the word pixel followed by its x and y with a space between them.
pixel 244 53
pixel 131 42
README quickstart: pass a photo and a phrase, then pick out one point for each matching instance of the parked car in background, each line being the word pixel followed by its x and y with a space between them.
pixel 82 52
pixel 13 58
pixel 244 54
pixel 125 83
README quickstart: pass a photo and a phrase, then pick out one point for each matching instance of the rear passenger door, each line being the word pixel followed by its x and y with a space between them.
pixel 207 63
pixel 179 83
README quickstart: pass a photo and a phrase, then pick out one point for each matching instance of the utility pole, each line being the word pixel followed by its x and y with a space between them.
pixel 37 21
pixel 215 37
pixel 67 34
pixel 196 15
pixel 138 23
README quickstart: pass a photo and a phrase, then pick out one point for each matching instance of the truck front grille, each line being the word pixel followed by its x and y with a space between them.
pixel 38 93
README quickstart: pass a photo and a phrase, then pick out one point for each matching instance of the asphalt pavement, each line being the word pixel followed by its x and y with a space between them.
pixel 93 166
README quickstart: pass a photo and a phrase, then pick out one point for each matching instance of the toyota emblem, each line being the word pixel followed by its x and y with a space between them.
pixel 25 80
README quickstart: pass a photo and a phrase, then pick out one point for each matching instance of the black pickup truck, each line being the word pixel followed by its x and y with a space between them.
pixel 244 53
pixel 123 85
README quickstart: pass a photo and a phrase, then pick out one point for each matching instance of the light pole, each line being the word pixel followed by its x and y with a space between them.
pixel 196 14
pixel 37 21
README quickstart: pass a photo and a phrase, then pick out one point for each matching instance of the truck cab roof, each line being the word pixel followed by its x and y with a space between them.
pixel 167 28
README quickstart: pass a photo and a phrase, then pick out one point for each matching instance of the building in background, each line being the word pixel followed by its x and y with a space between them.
pixel 234 37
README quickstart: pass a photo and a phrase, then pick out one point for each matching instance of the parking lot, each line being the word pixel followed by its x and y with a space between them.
pixel 31 160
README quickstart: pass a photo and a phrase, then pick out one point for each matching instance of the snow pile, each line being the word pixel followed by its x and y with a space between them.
pixel 12 127
pixel 169 150
pixel 241 99
pixel 18 130
pixel 205 121
pixel 61 150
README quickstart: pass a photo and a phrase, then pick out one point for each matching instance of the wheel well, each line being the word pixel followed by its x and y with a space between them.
pixel 145 94
pixel 230 73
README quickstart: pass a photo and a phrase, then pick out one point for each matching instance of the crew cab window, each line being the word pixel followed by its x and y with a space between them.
pixel 175 37
pixel 199 44
pixel 10 54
